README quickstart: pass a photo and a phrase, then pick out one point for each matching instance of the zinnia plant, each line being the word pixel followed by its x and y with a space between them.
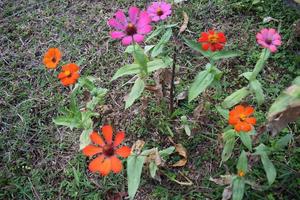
pixel 269 39
pixel 210 45
pixel 106 151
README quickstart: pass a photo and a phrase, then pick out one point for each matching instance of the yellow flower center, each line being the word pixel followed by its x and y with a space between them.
pixel 241 173
pixel 243 117
pixel 159 12
pixel 67 73
pixel 213 38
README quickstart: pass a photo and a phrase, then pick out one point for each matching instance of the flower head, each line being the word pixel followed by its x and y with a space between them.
pixel 241 173
pixel 132 28
pixel 106 151
pixel 212 40
pixel 52 58
pixel 159 11
pixel 269 38
pixel 239 117
pixel 69 74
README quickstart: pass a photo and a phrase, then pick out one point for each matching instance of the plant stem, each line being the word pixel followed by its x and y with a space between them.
pixel 172 82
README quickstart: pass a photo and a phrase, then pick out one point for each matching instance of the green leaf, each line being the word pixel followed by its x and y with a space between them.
pixel 158 49
pixel 228 135
pixel 260 63
pixel 246 140
pixel 238 188
pixel 185 124
pixel 153 168
pixel 135 93
pixel 69 121
pixel 134 170
pixel 258 91
pixel 148 48
pixel 197 47
pixel 242 164
pixel 247 75
pixel 84 138
pixel 156 64
pixel 235 97
pixel 86 119
pixel 283 142
pixel 223 112
pixel 87 82
pixel 269 168
pixel 131 48
pixel 201 82
pixel 98 98
pixel 225 54
pixel 154 34
pixel 140 57
pixel 227 151
pixel 126 70
pixel 166 152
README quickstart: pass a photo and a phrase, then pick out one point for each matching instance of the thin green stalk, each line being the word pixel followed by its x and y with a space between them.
pixel 260 63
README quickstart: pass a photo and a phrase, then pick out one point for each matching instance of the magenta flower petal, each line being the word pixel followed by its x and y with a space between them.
pixel 117 34
pixel 138 38
pixel 145 30
pixel 133 14
pixel 120 16
pixel 115 24
pixel 127 40
pixel 272 48
pixel 143 20
pixel 277 42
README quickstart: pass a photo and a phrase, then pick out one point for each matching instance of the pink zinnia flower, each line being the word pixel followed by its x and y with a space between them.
pixel 269 38
pixel 135 27
pixel 159 10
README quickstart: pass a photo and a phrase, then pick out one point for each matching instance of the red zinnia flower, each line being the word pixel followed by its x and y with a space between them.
pixel 212 40
pixel 107 151
pixel 239 117
pixel 69 74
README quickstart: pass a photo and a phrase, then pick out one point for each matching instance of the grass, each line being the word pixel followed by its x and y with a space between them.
pixel 41 160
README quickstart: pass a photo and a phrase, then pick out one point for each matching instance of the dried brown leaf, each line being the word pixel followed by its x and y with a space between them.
pixel 197 113
pixel 227 193
pixel 181 150
pixel 185 22
pixel 223 180
pixel 137 147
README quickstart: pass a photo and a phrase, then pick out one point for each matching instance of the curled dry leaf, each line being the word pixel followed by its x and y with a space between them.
pixel 185 22
pixel 137 147
pixel 223 180
pixel 182 152
pixel 153 156
pixel 197 113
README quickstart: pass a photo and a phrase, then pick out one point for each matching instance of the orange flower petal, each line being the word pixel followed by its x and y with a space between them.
pixel 116 164
pixel 97 139
pixel 123 151
pixel 249 110
pixel 119 138
pixel 107 132
pixel 239 109
pixel 95 165
pixel 233 120
pixel 243 126
pixel 91 150
pixel 238 127
pixel 251 120
pixel 205 46
pixel 105 167
pixel 52 58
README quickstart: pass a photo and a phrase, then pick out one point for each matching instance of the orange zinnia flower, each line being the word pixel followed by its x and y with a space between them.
pixel 69 74
pixel 52 58
pixel 107 151
pixel 212 40
pixel 239 117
